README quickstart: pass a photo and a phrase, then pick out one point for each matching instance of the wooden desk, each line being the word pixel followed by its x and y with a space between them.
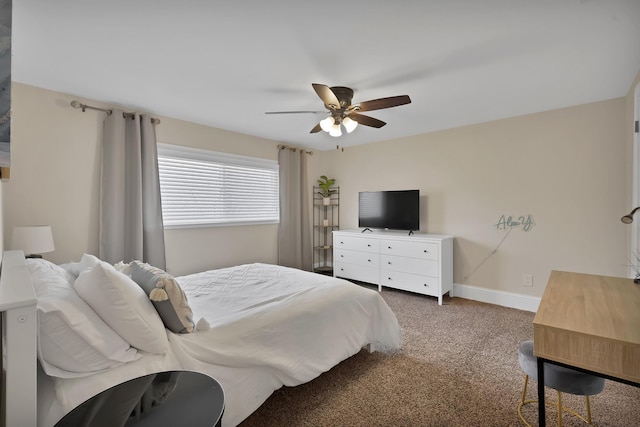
pixel 591 323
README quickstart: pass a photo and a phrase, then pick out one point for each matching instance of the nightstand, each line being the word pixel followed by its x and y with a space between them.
pixel 172 398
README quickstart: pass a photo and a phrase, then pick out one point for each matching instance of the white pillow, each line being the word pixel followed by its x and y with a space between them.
pixel 124 306
pixel 85 262
pixel 73 340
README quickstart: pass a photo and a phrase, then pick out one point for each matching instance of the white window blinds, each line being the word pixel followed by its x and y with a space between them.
pixel 205 188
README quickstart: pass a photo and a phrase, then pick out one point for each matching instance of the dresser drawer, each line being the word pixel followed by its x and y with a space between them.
pixel 366 259
pixel 356 272
pixel 423 267
pixel 356 243
pixel 410 282
pixel 425 250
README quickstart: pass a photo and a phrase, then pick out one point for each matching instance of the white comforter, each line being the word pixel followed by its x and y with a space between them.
pixel 269 326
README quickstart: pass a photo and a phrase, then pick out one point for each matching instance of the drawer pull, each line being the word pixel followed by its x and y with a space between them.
pixel 368 245
pixel 368 260
pixel 426 251
pixel 389 278
pixel 388 247
pixel 426 285
pixel 389 262
pixel 341 256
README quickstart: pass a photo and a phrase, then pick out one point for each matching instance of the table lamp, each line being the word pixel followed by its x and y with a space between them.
pixel 33 240
pixel 628 219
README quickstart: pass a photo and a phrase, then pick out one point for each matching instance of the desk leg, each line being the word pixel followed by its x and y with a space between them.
pixel 541 415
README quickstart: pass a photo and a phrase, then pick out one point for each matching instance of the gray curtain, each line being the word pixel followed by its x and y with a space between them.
pixel 130 208
pixel 294 232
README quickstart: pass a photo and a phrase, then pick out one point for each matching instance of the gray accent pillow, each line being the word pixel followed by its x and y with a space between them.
pixel 166 296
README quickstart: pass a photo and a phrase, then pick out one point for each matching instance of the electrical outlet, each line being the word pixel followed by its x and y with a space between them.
pixel 527 280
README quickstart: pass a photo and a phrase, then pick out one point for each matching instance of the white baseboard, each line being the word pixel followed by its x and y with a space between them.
pixel 491 296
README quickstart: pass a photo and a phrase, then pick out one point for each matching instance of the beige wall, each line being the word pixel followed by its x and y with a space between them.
pixel 565 167
pixel 55 177
pixel 568 168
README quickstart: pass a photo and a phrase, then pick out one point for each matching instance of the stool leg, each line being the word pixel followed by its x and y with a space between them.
pixel 559 409
pixel 523 401
pixel 588 410
pixel 524 389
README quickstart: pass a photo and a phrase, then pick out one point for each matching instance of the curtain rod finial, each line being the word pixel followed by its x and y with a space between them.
pixel 77 104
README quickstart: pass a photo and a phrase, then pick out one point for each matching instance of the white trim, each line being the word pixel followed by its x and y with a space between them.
pixel 634 244
pixel 20 330
pixel 491 296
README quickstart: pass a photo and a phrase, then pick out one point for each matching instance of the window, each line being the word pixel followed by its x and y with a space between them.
pixel 207 188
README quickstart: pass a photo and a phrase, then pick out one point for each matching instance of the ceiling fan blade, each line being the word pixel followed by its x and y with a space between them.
pixel 366 120
pixel 296 112
pixel 316 129
pixel 326 94
pixel 379 104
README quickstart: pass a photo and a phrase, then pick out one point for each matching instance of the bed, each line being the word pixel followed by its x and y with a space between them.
pixel 254 327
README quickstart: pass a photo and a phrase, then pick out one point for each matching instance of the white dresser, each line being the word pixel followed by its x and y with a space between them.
pixel 421 263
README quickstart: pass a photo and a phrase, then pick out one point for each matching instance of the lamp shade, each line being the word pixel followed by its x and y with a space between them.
pixel 335 130
pixel 327 123
pixel 33 240
pixel 349 124
pixel 628 219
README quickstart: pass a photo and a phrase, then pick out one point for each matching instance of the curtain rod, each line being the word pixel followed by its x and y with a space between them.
pixel 284 147
pixel 84 107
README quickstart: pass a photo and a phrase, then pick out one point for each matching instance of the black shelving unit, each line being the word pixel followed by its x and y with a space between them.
pixel 326 219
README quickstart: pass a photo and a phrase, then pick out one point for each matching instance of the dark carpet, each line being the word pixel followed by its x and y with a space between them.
pixel 458 366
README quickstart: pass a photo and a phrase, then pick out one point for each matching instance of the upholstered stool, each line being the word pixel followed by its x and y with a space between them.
pixel 564 380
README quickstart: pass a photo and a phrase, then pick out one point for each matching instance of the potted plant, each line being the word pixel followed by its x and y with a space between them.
pixel 325 189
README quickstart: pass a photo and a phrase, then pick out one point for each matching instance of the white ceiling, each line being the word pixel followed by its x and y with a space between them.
pixel 225 63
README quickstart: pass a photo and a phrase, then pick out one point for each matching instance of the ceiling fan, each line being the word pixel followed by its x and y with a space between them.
pixel 337 99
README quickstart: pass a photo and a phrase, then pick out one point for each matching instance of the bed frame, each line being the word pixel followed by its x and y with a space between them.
pixel 18 396
pixel 18 347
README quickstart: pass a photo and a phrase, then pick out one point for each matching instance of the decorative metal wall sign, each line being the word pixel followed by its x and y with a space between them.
pixel 506 222
pixel 5 82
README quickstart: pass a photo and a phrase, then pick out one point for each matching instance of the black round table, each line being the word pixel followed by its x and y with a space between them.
pixel 172 398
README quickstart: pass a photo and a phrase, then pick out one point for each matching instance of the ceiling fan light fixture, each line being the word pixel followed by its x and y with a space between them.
pixel 349 124
pixel 327 124
pixel 337 100
pixel 335 130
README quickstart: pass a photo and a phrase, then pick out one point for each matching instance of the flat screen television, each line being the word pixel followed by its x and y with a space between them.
pixel 393 210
